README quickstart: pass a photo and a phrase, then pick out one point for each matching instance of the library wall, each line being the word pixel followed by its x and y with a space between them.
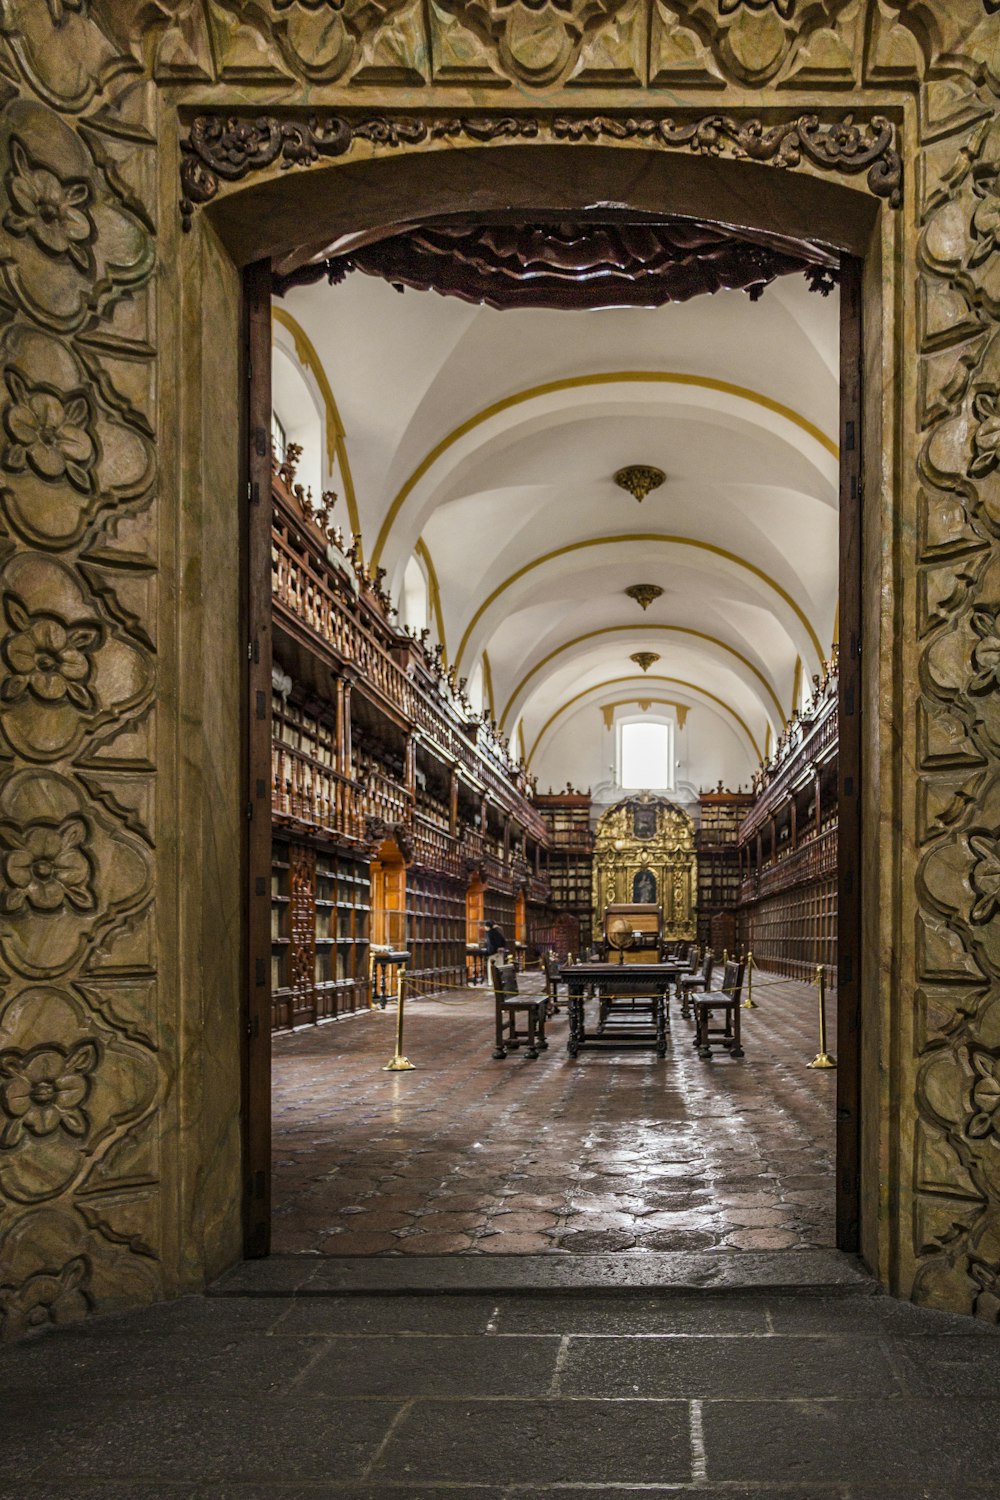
pixel 787 906
pixel 391 797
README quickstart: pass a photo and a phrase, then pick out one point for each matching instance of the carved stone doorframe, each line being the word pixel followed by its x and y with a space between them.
pixel 119 524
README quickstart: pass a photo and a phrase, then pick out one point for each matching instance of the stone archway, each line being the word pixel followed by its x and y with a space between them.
pixel 114 525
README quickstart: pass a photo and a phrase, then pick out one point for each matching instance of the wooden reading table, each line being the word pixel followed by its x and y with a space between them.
pixel 615 984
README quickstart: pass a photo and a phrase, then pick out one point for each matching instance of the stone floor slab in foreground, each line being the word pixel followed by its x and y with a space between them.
pixel 763 1393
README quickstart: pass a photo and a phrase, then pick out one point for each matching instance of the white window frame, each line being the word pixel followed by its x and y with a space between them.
pixel 662 722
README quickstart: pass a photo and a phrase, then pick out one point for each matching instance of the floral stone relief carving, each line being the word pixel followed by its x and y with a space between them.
pixel 754 41
pixel 70 1088
pixel 69 869
pixel 71 446
pixel 58 1266
pixel 73 246
pixel 68 669
pixel 533 42
pixel 956 1206
pixel 320 40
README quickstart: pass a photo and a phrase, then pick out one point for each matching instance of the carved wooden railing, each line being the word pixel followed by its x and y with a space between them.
pixel 308 592
pixel 314 794
pixel 815 744
pixel 815 859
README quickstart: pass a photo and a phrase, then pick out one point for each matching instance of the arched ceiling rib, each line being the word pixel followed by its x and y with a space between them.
pixel 486 443
pixel 655 548
pixel 651 632
pixel 695 690
pixel 511 421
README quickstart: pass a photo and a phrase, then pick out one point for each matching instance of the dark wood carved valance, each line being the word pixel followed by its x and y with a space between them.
pixel 576 265
pixel 227 148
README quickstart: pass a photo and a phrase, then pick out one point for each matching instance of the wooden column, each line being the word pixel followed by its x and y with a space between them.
pixel 341 758
pixel 410 765
pixel 345 726
pixel 453 805
pixel 793 841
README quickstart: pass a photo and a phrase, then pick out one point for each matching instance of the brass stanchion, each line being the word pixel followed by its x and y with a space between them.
pixel 399 1063
pixel 822 1058
pixel 750 1003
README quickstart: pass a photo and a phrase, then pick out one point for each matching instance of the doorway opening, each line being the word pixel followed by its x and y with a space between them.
pixel 527 873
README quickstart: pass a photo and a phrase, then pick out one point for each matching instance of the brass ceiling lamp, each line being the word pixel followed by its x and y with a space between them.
pixel 644 593
pixel 639 479
pixel 644 659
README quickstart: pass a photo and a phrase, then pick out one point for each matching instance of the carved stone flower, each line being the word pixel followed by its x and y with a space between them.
pixel 46 867
pixel 986 655
pixel 48 1297
pixel 44 1090
pixel 985 1096
pixel 48 209
pixel 49 431
pixel 48 658
pixel 985 877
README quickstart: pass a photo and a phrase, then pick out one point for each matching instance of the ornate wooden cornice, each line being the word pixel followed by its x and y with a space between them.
pixel 584 263
pixel 227 148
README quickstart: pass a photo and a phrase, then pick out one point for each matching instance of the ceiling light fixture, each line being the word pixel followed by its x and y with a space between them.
pixel 644 593
pixel 644 659
pixel 639 479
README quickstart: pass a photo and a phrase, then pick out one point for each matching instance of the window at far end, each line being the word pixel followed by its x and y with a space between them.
pixel 645 756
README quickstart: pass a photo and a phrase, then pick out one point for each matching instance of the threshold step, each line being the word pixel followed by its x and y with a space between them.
pixel 823 1272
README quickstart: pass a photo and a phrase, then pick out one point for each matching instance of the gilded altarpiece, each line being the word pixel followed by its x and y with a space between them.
pixel 644 851
pixel 120 798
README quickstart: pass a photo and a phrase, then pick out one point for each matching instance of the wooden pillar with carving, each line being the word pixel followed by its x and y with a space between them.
pixel 453 804
pixel 345 725
pixel 410 766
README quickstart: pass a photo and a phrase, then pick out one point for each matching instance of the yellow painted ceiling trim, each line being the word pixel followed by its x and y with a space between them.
pixel 488 685
pixel 434 592
pixel 640 536
pixel 336 444
pixel 644 704
pixel 692 687
pixel 796 685
pixel 573 382
pixel 614 630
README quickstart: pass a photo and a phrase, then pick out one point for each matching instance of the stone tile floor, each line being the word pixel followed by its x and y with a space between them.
pixel 616 1151
pixel 750 1395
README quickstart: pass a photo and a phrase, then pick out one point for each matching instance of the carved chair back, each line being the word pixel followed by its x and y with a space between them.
pixel 505 981
pixel 732 979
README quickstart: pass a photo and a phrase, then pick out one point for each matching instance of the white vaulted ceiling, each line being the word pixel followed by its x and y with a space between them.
pixel 488 441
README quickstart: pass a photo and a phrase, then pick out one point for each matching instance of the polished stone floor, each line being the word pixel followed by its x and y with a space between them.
pixel 614 1152
pixel 740 1396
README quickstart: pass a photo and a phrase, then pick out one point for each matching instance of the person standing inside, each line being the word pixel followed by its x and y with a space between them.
pixel 496 945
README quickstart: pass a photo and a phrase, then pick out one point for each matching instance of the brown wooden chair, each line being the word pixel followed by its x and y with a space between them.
pixel 508 1004
pixel 726 1000
pixel 550 968
pixel 688 984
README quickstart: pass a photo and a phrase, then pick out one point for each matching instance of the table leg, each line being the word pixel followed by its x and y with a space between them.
pixel 531 1051
pixel 574 1005
pixel 661 1025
